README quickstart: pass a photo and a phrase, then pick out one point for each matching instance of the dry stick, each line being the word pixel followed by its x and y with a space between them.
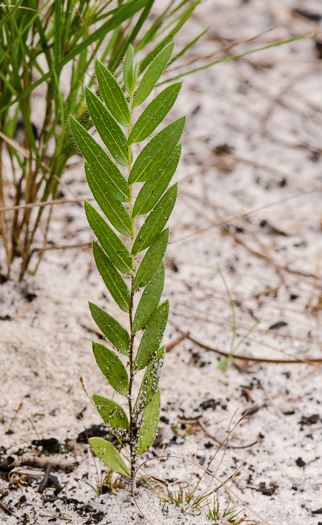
pixel 41 204
pixel 219 442
pixel 5 509
pixel 176 341
pixel 40 462
pixel 56 516
pixel 45 479
pixel 295 361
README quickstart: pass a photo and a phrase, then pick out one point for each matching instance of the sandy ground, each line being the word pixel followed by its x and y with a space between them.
pixel 249 203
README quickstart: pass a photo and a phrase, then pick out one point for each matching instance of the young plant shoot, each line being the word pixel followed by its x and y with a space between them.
pixel 129 281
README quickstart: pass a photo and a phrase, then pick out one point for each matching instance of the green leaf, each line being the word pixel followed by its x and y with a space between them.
pixel 107 453
pixel 111 412
pixel 149 300
pixel 112 94
pixel 152 75
pixel 151 260
pixel 149 424
pixel 113 368
pixel 10 13
pixel 150 382
pixel 112 279
pixel 154 113
pixel 152 336
pixel 157 152
pixel 152 190
pixel 110 242
pixel 100 162
pixel 128 70
pixel 108 129
pixel 111 328
pixel 113 209
pixel 156 220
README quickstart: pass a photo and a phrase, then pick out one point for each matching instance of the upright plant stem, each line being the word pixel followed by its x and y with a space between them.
pixel 131 349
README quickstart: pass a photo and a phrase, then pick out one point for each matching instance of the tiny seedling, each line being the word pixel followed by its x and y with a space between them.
pixel 224 361
pixel 135 283
pixel 229 514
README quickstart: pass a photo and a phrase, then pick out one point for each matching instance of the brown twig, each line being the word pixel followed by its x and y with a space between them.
pixel 178 340
pixel 45 479
pixel 295 361
pixel 41 204
pixel 219 442
pixel 40 462
pixel 56 516
pixel 5 509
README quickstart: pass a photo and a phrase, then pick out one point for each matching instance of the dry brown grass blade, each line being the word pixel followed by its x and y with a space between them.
pixel 40 204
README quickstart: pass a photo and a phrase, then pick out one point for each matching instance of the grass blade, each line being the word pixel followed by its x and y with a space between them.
pixel 235 57
pixel 182 20
pixel 10 13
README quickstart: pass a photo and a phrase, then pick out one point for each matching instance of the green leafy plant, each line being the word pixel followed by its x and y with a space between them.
pixel 47 55
pixel 118 262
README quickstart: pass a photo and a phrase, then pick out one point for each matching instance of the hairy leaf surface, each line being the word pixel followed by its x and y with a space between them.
pixel 111 412
pixel 112 367
pixel 157 152
pixel 110 242
pixel 107 453
pixel 108 129
pixel 152 75
pixel 150 382
pixel 149 425
pixel 156 220
pixel 152 336
pixel 100 162
pixel 113 209
pixel 151 260
pixel 112 279
pixel 149 300
pixel 111 328
pixel 152 190
pixel 154 114
pixel 112 94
